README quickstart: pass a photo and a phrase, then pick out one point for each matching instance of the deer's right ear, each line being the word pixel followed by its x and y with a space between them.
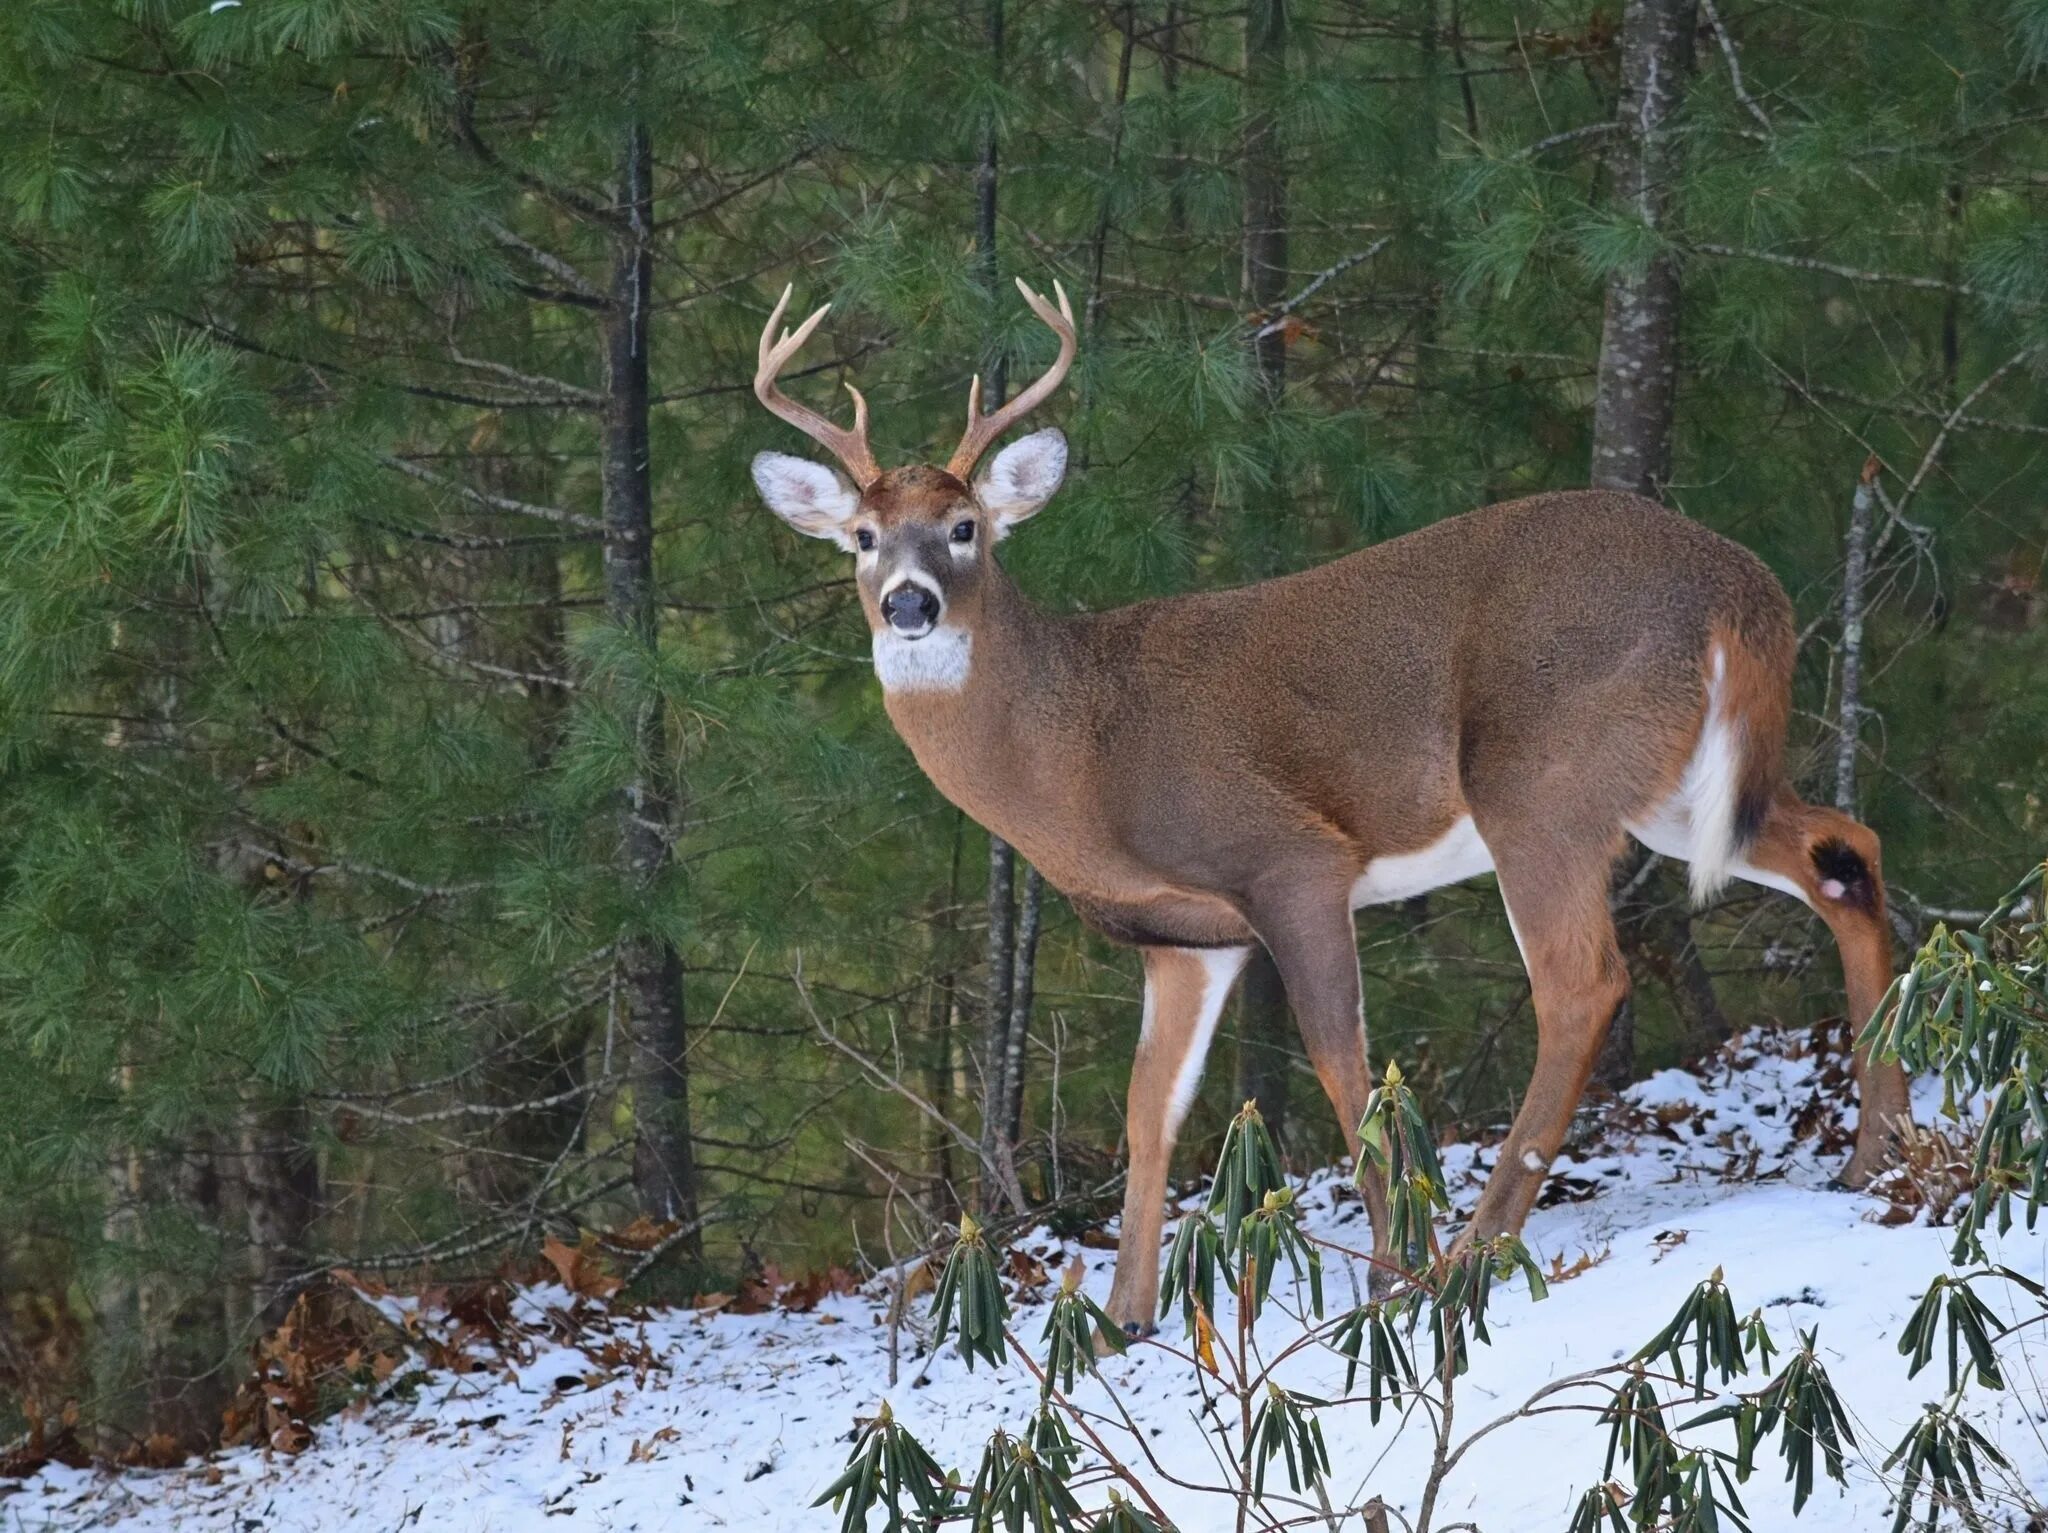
pixel 809 496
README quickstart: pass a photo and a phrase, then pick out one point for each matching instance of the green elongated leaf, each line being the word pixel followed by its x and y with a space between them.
pixel 889 1469
pixel 969 1298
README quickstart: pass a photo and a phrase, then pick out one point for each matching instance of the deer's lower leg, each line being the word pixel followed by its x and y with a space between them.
pixel 1316 950
pixel 1185 989
pixel 1832 862
pixel 1577 983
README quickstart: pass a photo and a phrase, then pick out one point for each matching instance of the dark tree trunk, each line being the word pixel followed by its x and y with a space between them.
pixel 281 1196
pixel 1001 1015
pixel 1265 1031
pixel 941 1002
pixel 650 969
pixel 1638 373
pixel 1265 1043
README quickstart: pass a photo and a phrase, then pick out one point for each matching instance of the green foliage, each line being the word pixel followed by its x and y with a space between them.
pixel 1371 1333
pixel 1023 1483
pixel 969 1298
pixel 1397 1146
pixel 888 1468
pixel 1074 1324
pixel 1973 1007
pixel 1801 1405
pixel 1718 1339
pixel 1972 1327
pixel 1286 1427
pixel 1939 1454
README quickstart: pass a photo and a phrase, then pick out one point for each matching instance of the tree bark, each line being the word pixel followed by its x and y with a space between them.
pixel 1855 575
pixel 1265 1031
pixel 1638 373
pixel 665 1179
pixel 1023 980
pixel 1000 1014
pixel 281 1196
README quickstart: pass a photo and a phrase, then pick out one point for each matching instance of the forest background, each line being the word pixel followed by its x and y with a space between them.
pixel 440 809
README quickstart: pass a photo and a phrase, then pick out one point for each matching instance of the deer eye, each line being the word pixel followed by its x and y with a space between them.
pixel 864 539
pixel 963 532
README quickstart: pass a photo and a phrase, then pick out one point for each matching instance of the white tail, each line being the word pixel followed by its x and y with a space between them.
pixel 1713 787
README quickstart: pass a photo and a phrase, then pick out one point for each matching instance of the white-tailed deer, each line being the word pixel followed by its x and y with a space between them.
pixel 1516 691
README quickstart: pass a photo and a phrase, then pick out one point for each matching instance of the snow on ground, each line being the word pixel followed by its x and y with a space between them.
pixel 746 1418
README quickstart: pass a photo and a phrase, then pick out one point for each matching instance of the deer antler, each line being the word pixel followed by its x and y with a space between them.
pixel 849 447
pixel 984 429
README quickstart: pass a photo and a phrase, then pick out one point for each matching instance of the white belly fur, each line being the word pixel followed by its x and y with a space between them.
pixel 1456 855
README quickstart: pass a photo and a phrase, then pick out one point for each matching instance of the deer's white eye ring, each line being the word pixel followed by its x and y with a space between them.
pixel 963 532
pixel 864 539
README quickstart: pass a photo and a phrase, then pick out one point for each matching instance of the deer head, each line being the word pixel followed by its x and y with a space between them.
pixel 920 535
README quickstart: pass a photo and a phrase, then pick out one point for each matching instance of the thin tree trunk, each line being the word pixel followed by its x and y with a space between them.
pixel 944 1204
pixel 1265 1032
pixel 997 1160
pixel 1169 82
pixel 1855 575
pixel 1023 980
pixel 998 1156
pixel 650 969
pixel 1638 372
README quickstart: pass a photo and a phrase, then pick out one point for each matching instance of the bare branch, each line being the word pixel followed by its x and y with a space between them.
pixel 494 502
pixel 1278 318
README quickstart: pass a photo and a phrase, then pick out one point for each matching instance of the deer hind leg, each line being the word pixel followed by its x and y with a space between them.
pixel 1556 897
pixel 1185 989
pixel 1832 863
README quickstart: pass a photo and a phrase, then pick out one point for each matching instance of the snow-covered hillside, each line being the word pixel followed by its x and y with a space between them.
pixel 743 1419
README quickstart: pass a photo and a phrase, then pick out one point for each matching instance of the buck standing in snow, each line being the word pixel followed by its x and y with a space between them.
pixel 1515 690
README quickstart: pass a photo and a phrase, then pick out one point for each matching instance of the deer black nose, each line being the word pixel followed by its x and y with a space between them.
pixel 910 608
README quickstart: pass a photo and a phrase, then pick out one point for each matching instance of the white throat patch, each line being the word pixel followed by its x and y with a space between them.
pixel 938 662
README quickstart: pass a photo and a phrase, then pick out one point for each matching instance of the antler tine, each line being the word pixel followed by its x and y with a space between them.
pixel 984 429
pixel 771 356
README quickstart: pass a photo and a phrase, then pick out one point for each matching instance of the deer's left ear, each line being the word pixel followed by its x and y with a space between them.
pixel 1023 477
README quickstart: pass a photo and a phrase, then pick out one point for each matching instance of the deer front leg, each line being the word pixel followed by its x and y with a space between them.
pixel 1558 910
pixel 1185 989
pixel 1310 935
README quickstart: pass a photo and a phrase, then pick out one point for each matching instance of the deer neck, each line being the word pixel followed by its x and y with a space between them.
pixel 985 709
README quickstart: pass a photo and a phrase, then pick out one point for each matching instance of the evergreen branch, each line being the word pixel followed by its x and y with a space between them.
pixel 1941 437
pixel 489 1112
pixel 566 198
pixel 1734 65
pixel 507 1046
pixel 1957 421
pixel 323 369
pixel 303 869
pixel 845 359
pixel 877 1074
pixel 1276 320
pixel 442 652
pixel 1567 136
pixel 503 503
pixel 475 543
pixel 1848 273
pixel 589 398
pixel 579 286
